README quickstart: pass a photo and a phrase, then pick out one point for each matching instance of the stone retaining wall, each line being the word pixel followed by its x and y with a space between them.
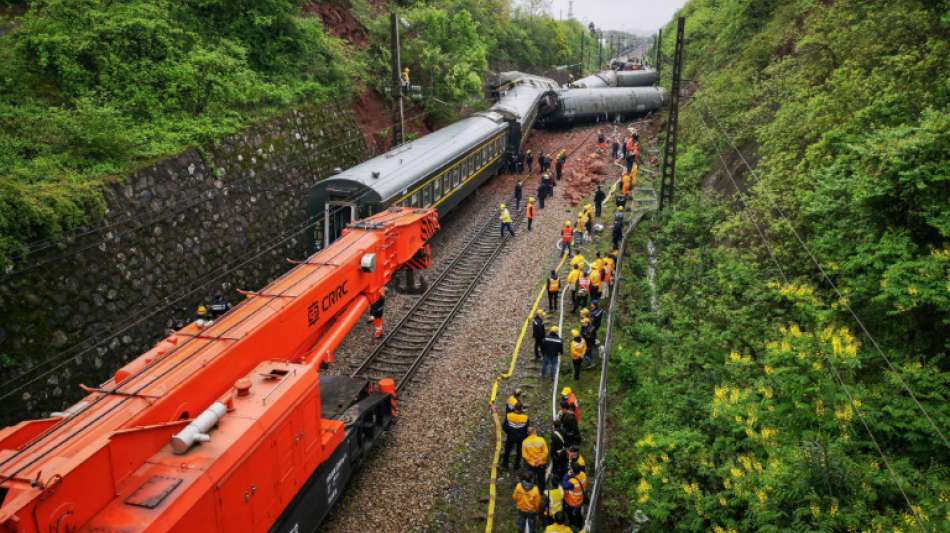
pixel 218 218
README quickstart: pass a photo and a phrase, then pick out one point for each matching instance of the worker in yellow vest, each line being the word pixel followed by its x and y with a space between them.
pixel 527 499
pixel 554 289
pixel 516 429
pixel 578 350
pixel 534 451
pixel 572 279
pixel 505 217
pixel 558 525
pixel 552 503
pixel 574 501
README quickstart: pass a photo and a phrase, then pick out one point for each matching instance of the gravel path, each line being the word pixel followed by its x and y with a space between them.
pixel 439 412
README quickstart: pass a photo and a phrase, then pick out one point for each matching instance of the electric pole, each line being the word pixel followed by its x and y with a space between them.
pixel 600 49
pixel 399 131
pixel 659 45
pixel 669 150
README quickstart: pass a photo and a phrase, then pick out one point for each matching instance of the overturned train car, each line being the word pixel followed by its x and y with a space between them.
pixel 618 78
pixel 580 105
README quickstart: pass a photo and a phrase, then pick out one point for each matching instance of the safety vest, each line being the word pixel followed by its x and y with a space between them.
pixel 582 219
pixel 558 528
pixel 567 234
pixel 517 420
pixel 578 349
pixel 505 216
pixel 577 260
pixel 555 499
pixel 575 496
pixel 529 211
pixel 535 451
pixel 554 285
pixel 527 500
pixel 583 284
pixel 595 278
pixel 573 276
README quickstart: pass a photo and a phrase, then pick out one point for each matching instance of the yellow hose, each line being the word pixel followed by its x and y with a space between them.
pixel 492 488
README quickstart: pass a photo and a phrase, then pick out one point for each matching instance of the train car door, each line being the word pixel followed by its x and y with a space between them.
pixel 336 215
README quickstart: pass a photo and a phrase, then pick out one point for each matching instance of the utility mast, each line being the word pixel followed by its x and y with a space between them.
pixel 669 150
pixel 570 10
pixel 659 44
pixel 399 132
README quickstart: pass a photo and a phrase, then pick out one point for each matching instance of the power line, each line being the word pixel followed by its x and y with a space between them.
pixel 833 286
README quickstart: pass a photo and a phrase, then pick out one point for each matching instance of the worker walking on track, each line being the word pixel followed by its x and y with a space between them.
pixel 595 282
pixel 569 399
pixel 582 219
pixel 554 290
pixel 567 237
pixel 552 347
pixel 537 332
pixel 519 189
pixel 516 429
pixel 529 157
pixel 527 499
pixel 505 217
pixel 578 259
pixel 578 350
pixel 376 313
pixel 583 289
pixel 529 212
pixel 617 234
pixel 534 451
pixel 559 164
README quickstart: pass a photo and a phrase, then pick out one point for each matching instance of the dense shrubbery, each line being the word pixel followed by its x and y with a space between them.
pixel 733 411
pixel 89 88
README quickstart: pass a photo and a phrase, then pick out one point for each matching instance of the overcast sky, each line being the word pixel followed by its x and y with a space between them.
pixel 642 16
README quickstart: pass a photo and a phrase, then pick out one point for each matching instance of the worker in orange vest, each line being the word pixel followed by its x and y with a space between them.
pixel 529 212
pixel 568 396
pixel 527 499
pixel 376 312
pixel 567 237
pixel 573 500
pixel 554 289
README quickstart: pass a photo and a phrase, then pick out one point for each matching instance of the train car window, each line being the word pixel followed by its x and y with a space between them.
pixel 415 199
pixel 446 182
pixel 456 177
pixel 427 195
pixel 438 187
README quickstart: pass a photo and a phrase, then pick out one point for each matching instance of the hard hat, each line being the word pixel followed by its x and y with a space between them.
pixel 585 321
pixel 517 392
pixel 502 206
pixel 620 208
pixel 540 313
pixel 531 200
pixel 585 312
pixel 554 329
pixel 589 206
pixel 202 310
pixel 566 391
pixel 575 333
pixel 567 223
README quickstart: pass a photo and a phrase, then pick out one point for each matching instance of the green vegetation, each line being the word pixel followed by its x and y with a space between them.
pixel 90 88
pixel 732 413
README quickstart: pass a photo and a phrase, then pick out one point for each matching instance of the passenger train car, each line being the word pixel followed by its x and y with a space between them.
pixel 440 169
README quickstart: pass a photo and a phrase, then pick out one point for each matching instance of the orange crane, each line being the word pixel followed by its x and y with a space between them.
pixel 224 426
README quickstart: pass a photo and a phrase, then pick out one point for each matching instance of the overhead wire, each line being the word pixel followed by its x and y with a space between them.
pixel 843 301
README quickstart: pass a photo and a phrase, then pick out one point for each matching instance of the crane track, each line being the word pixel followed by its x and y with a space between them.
pixel 402 351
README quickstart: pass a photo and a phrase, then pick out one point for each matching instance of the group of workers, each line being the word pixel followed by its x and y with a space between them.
pixel 545 188
pixel 549 346
pixel 553 485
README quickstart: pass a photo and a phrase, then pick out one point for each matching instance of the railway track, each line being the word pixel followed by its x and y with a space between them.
pixel 402 351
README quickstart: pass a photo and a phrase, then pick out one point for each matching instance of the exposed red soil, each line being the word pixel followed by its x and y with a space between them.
pixel 374 117
pixel 338 21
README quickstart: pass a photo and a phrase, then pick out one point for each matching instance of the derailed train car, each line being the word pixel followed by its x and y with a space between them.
pixel 578 105
pixel 618 78
pixel 521 99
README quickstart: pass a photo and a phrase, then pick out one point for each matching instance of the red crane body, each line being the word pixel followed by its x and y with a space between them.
pixel 281 436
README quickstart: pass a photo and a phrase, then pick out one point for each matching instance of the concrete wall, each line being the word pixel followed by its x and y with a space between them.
pixel 176 233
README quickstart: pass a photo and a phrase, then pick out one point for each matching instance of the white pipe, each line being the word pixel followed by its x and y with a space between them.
pixel 197 430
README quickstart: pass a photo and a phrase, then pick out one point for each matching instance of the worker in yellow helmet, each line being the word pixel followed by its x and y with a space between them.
pixel 582 220
pixel 572 279
pixel 578 259
pixel 513 401
pixel 567 237
pixel 569 399
pixel 204 318
pixel 552 347
pixel 578 350
pixel 554 289
pixel 505 217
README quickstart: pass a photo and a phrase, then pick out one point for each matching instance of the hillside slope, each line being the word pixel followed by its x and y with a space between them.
pixel 751 400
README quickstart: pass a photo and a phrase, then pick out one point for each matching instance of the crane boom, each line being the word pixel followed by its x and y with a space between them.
pixel 223 426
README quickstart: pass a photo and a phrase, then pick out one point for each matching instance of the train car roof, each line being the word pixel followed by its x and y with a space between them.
pixel 522 78
pixel 518 101
pixel 391 174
